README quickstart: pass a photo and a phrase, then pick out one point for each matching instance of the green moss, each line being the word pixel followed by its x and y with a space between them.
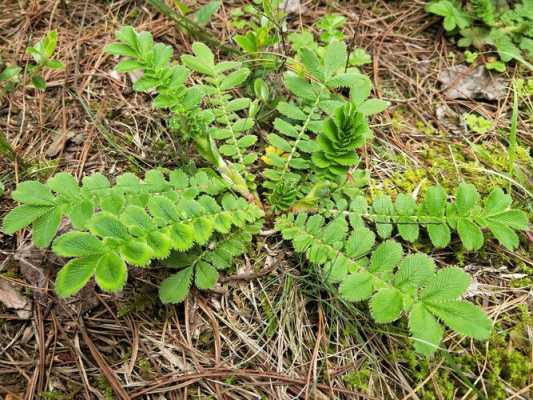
pixel 358 380
pixel 506 365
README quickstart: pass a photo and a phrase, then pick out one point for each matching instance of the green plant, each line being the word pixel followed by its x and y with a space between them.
pixel 42 53
pixel 9 77
pixel 130 222
pixel 394 284
pixel 503 25
pixel 306 183
pixel 477 124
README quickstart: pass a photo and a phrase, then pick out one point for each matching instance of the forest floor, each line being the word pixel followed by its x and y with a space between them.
pixel 269 332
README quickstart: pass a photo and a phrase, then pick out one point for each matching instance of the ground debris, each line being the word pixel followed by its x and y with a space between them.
pixel 13 299
pixel 461 82
pixel 292 6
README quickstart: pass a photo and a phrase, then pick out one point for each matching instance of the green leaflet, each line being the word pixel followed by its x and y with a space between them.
pixel 74 275
pixel 111 272
pixel 175 288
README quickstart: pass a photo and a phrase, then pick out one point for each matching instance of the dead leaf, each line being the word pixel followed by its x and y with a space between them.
pixel 59 144
pixel 13 299
pixel 459 82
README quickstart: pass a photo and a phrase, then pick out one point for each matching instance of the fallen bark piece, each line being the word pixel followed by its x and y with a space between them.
pixel 459 82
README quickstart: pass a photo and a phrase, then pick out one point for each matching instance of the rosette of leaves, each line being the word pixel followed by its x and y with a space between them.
pixel 131 222
pixel 393 284
pixel 343 133
pixel 314 87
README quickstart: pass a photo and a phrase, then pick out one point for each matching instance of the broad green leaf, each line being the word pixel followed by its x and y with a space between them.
pixel 136 252
pixel 299 86
pixel 204 13
pixel 22 216
pixel 335 58
pixel 206 276
pixel 285 128
pixel 386 256
pixel 107 225
pixel 111 273
pixel 464 318
pixel 447 284
pixel 505 235
pixel 372 106
pixel 470 234
pixel 119 49
pixel 356 286
pixel 497 201
pixel 65 184
pixel 386 305
pixel 311 63
pixel 176 287
pixel 427 332
pixel 80 213
pixel 135 216
pixel 291 111
pixel 235 79
pixel 383 207
pixel 516 219
pixel 74 275
pixel 360 242
pixel 33 193
pixel 112 203
pixel 466 198
pixel 78 244
pixel 95 184
pixel 45 227
pixel 413 271
pixel 38 82
pixel 159 243
pixel 202 228
pixel 238 104
pixel 204 53
pixel 127 35
pixel 434 203
pixel 407 224
pixel 128 66
pixel 162 208
pixel 181 236
pixel 336 270
pixel 439 234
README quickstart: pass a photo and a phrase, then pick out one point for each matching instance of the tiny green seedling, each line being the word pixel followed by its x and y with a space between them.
pixel 42 53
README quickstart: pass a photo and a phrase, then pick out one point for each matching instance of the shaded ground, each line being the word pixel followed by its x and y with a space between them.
pixel 267 331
